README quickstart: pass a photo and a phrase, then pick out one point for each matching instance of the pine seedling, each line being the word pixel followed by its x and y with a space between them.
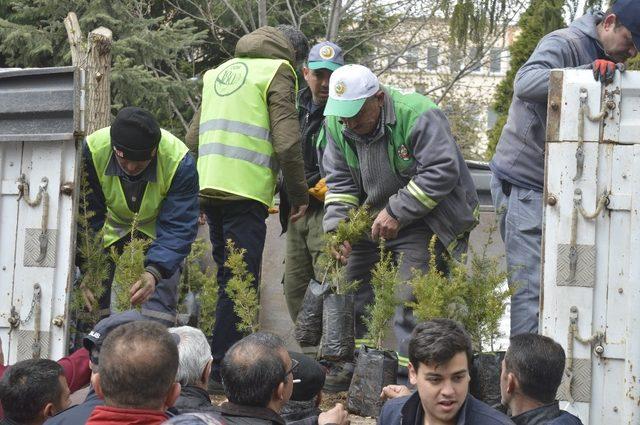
pixel 241 290
pixel 474 296
pixel 94 265
pixel 129 267
pixel 202 282
pixel 487 295
pixel 353 229
pixel 435 295
pixel 385 278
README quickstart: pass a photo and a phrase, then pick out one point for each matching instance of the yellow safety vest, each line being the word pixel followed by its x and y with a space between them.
pixel 235 153
pixel 119 217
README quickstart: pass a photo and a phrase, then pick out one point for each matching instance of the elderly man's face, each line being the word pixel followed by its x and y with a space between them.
pixel 366 121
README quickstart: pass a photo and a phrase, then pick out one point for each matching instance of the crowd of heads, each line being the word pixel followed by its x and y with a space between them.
pixel 142 365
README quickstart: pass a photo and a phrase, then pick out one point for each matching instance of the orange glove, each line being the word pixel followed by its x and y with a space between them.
pixel 319 190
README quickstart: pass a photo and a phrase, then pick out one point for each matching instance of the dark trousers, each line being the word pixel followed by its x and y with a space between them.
pixel 244 223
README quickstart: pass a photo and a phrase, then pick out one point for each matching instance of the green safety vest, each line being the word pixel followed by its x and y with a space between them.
pixel 408 108
pixel 119 217
pixel 235 153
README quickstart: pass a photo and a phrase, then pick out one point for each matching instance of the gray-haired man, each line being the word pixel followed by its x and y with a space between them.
pixel 193 370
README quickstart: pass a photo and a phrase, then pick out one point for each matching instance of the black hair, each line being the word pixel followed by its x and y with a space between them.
pixel 298 41
pixel 27 387
pixel 537 362
pixel 138 365
pixel 253 368
pixel 437 341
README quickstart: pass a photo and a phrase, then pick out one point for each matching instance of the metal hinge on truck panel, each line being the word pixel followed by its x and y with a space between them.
pixel 576 382
pixel 46 256
pixel 35 311
pixel 608 106
pixel 574 250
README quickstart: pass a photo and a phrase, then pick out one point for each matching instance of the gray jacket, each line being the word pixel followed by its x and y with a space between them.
pixel 519 156
pixel 438 172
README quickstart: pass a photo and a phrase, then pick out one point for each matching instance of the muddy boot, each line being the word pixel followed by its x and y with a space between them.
pixel 339 377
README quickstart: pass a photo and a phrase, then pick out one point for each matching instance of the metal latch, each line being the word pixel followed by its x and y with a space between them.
pixel 41 197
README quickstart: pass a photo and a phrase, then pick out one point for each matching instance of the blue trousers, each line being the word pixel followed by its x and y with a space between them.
pixel 519 213
pixel 244 223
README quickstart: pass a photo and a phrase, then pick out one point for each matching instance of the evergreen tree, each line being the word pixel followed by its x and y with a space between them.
pixel 540 18
pixel 152 49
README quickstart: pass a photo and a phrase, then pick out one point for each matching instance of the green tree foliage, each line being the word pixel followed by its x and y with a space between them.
pixel 474 295
pixel 385 278
pixel 351 230
pixel 129 267
pixel 240 289
pixel 152 49
pixel 94 264
pixel 201 281
pixel 540 18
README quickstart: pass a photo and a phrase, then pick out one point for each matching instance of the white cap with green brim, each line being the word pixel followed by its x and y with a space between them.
pixel 349 88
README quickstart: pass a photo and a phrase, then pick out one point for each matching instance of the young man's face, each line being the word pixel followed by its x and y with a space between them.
pixel 65 396
pixel 617 40
pixel 318 82
pixel 442 388
pixel 134 168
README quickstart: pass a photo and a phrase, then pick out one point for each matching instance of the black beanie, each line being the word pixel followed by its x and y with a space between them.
pixel 135 133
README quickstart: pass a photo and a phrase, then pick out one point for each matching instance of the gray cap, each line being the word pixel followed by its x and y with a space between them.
pixel 326 55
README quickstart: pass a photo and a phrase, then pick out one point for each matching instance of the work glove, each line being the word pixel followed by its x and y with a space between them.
pixel 604 70
pixel 318 191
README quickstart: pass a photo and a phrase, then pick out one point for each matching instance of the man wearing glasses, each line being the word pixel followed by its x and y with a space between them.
pixel 258 378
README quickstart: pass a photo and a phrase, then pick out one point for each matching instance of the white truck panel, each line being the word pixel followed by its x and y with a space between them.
pixel 40 124
pixel 597 289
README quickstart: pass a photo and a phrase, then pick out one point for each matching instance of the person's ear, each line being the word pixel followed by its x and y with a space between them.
pixel 48 410
pixel 172 395
pixel 280 391
pixel 413 374
pixel 379 97
pixel 512 383
pixel 305 72
pixel 206 372
pixel 95 381
pixel 610 21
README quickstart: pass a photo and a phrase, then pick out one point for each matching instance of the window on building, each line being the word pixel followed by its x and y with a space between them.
pixel 411 57
pixel 432 58
pixel 495 64
pixel 475 60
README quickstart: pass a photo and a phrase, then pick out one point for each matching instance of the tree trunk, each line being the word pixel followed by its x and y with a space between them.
pixel 99 79
pixel 74 34
pixel 94 58
pixel 262 13
pixel 334 19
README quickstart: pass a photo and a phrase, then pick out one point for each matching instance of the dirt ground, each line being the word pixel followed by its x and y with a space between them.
pixel 328 401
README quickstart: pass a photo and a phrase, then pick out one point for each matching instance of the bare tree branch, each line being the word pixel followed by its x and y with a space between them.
pixel 237 15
